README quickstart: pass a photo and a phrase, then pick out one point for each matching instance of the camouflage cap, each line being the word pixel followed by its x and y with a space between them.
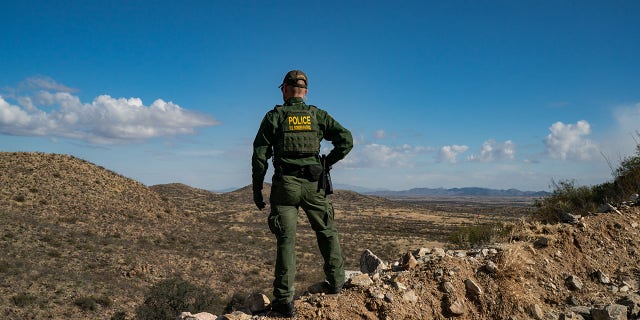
pixel 292 77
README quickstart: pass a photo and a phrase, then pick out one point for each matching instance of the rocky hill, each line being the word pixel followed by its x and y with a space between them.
pixel 78 241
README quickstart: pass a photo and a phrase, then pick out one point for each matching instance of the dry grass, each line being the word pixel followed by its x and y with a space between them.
pixel 79 241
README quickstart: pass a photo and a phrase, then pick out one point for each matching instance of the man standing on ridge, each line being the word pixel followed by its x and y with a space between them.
pixel 292 133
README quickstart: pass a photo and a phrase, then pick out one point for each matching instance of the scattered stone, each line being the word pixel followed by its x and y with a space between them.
pixel 607 207
pixel 256 302
pixel 362 280
pixel 454 305
pixel 574 283
pixel 536 312
pixel 410 296
pixel 370 263
pixel 422 252
pixel 350 273
pixel 376 293
pixel 472 288
pixel 573 301
pixel 541 243
pixel 438 252
pixel 389 297
pixel 571 316
pixel 438 274
pixel 632 283
pixel 489 267
pixel 610 312
pixel 448 287
pixel 601 277
pixel 399 286
pixel 566 217
pixel 409 261
pixel 236 315
pixel 197 316
pixel 632 302
pixel 585 312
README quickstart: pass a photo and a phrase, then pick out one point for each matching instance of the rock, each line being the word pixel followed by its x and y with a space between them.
pixel 376 293
pixel 236 315
pixel 448 287
pixel 197 316
pixel 454 306
pixel 256 302
pixel 607 207
pixel 541 243
pixel 438 274
pixel 632 302
pixel 472 288
pixel 568 218
pixel 536 312
pixel 410 296
pixel 585 312
pixel 350 273
pixel 362 280
pixel 610 312
pixel 632 283
pixel 573 283
pixel 399 286
pixel 422 252
pixel 489 267
pixel 601 277
pixel 409 261
pixel 370 263
pixel 389 297
pixel 438 252
pixel 571 316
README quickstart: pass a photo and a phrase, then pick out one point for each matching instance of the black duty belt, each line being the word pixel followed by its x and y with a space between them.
pixel 293 170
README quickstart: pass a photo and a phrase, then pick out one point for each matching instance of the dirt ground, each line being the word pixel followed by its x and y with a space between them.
pixel 531 280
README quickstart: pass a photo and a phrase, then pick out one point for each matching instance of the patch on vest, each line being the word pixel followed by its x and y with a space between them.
pixel 300 133
pixel 299 122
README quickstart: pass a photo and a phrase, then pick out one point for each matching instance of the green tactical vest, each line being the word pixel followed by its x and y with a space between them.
pixel 298 134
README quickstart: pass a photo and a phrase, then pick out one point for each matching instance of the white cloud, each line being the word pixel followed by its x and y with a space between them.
pixel 492 151
pixel 380 134
pixel 377 155
pixel 450 153
pixel 44 83
pixel 567 141
pixel 105 120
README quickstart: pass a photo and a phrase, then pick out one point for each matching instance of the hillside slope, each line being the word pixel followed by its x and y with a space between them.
pixel 78 241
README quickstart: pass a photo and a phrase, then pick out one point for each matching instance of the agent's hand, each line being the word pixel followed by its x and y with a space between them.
pixel 257 199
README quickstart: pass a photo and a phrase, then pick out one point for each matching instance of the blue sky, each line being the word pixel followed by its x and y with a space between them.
pixel 498 94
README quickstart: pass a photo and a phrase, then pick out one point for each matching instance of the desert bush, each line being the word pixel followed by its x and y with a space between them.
pixel 91 303
pixel 569 198
pixel 169 297
pixel 471 236
pixel 23 299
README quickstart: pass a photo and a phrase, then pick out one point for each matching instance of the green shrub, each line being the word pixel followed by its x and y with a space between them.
pixel 168 298
pixel 86 303
pixel 472 236
pixel 567 198
pixel 23 299
pixel 91 303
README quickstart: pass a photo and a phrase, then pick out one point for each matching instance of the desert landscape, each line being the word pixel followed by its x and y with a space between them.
pixel 79 241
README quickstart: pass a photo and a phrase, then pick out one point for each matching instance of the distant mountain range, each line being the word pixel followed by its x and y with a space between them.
pixel 470 191
pixel 431 192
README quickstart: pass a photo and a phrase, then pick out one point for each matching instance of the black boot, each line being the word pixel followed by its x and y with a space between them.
pixel 329 289
pixel 285 309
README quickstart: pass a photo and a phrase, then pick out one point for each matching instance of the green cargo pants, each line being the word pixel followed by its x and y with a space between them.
pixel 289 193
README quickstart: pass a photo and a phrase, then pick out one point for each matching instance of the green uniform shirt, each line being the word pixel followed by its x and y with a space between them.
pixel 263 144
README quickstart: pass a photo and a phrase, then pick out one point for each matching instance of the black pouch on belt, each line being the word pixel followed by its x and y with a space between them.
pixel 313 172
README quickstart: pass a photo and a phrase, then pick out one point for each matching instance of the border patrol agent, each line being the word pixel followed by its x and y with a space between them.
pixel 291 134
